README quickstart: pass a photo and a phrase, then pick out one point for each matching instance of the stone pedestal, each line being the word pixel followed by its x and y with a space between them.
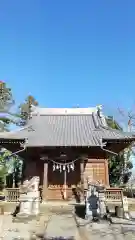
pixel 25 205
pixel 29 203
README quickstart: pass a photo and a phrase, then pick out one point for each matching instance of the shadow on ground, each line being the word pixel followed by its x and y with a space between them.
pixel 80 211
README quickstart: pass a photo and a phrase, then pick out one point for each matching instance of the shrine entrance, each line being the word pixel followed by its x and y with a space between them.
pixel 62 180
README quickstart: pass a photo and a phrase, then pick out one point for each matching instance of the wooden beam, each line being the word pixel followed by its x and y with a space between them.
pixel 45 181
pixel 106 172
pixel 82 178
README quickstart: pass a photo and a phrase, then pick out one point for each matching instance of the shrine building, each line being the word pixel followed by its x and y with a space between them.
pixel 65 147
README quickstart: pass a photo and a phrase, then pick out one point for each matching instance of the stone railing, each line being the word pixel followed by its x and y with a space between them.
pixel 12 194
pixel 114 195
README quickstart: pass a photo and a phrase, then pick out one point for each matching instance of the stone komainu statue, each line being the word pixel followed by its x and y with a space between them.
pixel 30 196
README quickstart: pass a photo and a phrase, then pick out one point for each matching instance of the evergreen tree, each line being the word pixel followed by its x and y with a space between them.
pixel 120 166
pixel 25 109
pixel 6 102
pixel 8 165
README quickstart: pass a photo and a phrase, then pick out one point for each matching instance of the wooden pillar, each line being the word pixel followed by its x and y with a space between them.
pixel 82 178
pixel 45 181
pixel 82 171
pixel 106 172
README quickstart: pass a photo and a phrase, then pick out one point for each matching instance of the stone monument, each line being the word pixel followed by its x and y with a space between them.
pixel 30 197
pixel 125 208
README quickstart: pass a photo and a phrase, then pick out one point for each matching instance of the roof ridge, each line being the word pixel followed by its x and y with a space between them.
pixel 63 114
pixel 63 111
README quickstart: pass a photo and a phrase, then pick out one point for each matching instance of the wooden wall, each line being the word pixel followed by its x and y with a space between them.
pixel 97 170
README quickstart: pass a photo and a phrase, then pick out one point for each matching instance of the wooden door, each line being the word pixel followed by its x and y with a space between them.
pixel 55 183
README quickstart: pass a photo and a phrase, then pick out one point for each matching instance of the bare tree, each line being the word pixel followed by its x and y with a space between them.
pixel 128 117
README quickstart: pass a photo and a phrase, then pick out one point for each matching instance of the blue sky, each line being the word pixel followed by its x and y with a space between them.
pixel 69 52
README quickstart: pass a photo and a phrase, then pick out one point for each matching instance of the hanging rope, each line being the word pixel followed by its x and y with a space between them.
pixel 64 164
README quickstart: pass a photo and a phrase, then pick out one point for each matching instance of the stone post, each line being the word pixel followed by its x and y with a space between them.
pixel 125 208
pixel 102 205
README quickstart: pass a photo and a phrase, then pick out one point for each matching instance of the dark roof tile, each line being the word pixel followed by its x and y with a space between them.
pixel 66 130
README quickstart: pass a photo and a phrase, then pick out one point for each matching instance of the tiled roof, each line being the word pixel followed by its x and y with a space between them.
pixel 69 129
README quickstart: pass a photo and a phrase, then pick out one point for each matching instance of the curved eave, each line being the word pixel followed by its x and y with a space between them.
pixel 119 140
pixel 11 141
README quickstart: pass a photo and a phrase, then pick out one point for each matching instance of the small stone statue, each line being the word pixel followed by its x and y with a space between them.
pixel 30 197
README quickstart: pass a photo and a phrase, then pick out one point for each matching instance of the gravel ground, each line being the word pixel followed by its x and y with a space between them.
pixel 56 222
pixel 120 229
pixel 11 229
